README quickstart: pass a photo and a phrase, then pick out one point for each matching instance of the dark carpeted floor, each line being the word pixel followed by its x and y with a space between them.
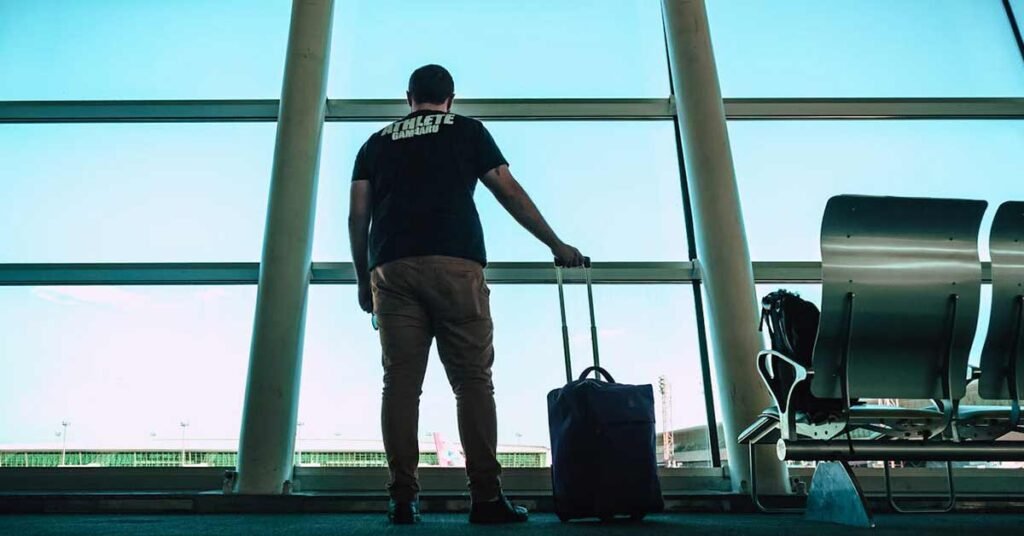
pixel 455 524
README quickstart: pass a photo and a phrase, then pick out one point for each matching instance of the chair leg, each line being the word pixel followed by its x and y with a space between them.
pixel 949 507
pixel 836 497
pixel 755 497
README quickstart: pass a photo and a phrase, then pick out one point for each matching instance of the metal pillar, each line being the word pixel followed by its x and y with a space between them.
pixel 275 361
pixel 719 234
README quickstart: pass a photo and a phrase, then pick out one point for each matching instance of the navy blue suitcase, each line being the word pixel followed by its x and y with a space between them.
pixel 602 439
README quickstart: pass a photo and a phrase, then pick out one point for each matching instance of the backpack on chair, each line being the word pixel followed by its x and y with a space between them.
pixel 793 327
pixel 792 324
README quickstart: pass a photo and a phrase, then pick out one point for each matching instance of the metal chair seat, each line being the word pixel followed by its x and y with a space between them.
pixel 976 413
pixel 765 429
pixel 871 413
pixel 979 423
pixel 877 414
pixel 891 421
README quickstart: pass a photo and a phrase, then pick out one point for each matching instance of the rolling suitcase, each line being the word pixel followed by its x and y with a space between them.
pixel 602 438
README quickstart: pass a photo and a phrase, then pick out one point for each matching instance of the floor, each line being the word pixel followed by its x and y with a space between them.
pixel 455 524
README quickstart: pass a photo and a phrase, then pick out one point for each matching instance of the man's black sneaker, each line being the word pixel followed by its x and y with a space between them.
pixel 404 512
pixel 499 511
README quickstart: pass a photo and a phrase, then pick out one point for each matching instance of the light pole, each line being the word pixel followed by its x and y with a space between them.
pixel 184 426
pixel 298 445
pixel 64 442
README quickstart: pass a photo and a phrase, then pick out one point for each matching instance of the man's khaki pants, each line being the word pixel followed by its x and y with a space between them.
pixel 416 299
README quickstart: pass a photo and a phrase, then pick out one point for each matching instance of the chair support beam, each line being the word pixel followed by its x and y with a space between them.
pixel 938 451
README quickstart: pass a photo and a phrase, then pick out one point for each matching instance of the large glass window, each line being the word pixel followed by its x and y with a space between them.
pixel 127 49
pixel 80 361
pixel 865 48
pixel 134 192
pixel 500 48
pixel 645 332
pixel 787 171
pixel 610 188
pixel 125 366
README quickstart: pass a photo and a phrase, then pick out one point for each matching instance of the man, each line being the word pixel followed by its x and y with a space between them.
pixel 420 271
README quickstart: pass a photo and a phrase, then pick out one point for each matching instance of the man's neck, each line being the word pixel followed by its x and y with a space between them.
pixel 429 108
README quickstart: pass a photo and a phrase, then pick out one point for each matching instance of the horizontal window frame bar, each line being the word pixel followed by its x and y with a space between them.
pixel 873 109
pixel 326 273
pixel 337 110
pixel 810 272
pixel 361 110
pixel 342 273
pixel 171 273
pixel 348 110
pixel 527 273
pixel 360 480
pixel 369 481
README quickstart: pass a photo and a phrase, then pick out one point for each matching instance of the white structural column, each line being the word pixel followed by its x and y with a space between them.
pixel 720 236
pixel 275 359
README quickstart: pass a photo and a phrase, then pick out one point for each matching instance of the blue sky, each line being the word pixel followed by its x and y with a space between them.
pixel 125 363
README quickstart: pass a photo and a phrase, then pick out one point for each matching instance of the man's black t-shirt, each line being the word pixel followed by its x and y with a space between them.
pixel 423 171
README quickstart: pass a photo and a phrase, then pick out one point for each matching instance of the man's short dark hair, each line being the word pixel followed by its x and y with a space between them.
pixel 431 84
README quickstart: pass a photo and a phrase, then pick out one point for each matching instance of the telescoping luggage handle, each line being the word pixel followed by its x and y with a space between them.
pixel 565 327
pixel 598 371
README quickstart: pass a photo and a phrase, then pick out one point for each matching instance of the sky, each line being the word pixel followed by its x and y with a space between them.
pixel 129 364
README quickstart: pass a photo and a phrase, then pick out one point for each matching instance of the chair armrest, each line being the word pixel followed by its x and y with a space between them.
pixel 800 370
pixel 769 363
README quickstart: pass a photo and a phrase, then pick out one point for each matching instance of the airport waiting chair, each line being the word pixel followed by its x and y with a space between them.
pixel 1001 374
pixel 901 291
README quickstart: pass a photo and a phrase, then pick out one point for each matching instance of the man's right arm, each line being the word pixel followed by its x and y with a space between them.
pixel 517 202
pixel 360 202
pixel 359 215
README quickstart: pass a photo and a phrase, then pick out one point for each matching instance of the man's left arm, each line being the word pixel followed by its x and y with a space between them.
pixel 360 203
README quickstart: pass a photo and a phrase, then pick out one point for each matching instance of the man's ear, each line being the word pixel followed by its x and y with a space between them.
pixel 408 98
pixel 449 102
